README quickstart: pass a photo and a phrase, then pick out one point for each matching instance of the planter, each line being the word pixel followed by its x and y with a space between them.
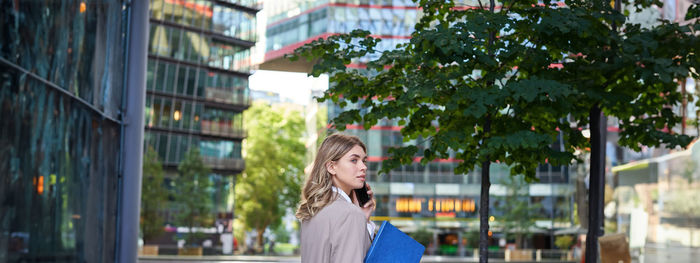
pixel 521 254
pixel 148 250
pixel 190 251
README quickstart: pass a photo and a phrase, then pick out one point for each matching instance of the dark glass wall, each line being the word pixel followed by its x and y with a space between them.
pixel 75 45
pixel 61 78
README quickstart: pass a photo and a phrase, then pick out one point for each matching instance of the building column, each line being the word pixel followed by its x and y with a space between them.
pixel 460 244
pixel 434 247
pixel 132 132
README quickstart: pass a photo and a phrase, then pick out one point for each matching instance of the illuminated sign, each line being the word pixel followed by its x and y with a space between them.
pixel 437 205
pixel 410 205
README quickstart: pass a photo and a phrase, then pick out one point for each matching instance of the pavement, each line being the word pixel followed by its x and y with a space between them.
pixel 661 253
pixel 207 259
pixel 189 259
pixel 653 253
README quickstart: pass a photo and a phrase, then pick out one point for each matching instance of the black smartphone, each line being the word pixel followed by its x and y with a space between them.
pixel 362 196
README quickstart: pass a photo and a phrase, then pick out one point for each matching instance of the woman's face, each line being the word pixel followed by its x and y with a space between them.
pixel 349 172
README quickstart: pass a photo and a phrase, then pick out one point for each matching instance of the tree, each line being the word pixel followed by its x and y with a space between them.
pixel 153 196
pixel 274 154
pixel 193 195
pixel 623 71
pixel 458 69
pixel 500 83
pixel 423 236
pixel 564 242
pixel 518 214
pixel 281 234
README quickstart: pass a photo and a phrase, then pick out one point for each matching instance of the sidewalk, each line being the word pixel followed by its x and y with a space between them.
pixel 187 259
pixel 159 259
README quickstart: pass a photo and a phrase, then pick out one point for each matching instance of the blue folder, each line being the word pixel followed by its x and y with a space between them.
pixel 392 245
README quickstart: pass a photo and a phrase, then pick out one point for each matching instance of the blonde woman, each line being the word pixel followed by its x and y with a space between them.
pixel 334 227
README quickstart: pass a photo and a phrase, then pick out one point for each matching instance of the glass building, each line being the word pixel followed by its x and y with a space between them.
pixel 63 100
pixel 197 87
pixel 290 24
pixel 414 196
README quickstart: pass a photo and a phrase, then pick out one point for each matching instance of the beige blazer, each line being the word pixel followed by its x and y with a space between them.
pixel 337 233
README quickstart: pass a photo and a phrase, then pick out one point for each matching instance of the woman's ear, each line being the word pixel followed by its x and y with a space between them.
pixel 330 167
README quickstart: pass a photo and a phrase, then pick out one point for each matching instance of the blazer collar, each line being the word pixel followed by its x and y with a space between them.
pixel 342 194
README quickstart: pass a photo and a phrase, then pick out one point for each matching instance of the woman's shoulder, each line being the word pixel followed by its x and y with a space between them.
pixel 341 208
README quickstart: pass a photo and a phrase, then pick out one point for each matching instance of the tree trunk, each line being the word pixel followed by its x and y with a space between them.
pixel 684 105
pixel 261 242
pixel 484 213
pixel 484 204
pixel 485 172
pixel 189 239
pixel 596 192
pixel 697 113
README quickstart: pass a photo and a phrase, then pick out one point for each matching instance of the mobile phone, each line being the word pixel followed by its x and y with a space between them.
pixel 361 194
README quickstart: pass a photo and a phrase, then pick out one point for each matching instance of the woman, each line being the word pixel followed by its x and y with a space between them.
pixel 334 227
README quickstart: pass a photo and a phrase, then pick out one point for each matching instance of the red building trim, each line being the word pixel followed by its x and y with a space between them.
pixel 288 49
pixel 376 127
pixel 391 7
pixel 199 8
pixel 342 5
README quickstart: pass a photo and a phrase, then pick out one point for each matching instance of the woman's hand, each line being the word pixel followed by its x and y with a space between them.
pixel 369 206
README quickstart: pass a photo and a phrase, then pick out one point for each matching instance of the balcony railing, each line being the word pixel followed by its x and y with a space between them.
pixel 417 177
pixel 256 4
pixel 224 163
pixel 223 129
pixel 224 96
pixel 210 129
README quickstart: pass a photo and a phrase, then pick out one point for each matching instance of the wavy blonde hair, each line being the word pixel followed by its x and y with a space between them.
pixel 317 192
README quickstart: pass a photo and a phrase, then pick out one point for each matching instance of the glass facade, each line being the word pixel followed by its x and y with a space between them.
pixel 196 91
pixel 394 22
pixel 423 186
pixel 61 79
pixel 171 148
pixel 197 82
pixel 291 22
pixel 201 50
pixel 207 16
pixel 432 196
pixel 168 78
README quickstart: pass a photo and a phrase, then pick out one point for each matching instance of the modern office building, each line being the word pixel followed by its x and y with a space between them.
pixel 197 87
pixel 433 197
pixel 414 196
pixel 290 24
pixel 71 100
